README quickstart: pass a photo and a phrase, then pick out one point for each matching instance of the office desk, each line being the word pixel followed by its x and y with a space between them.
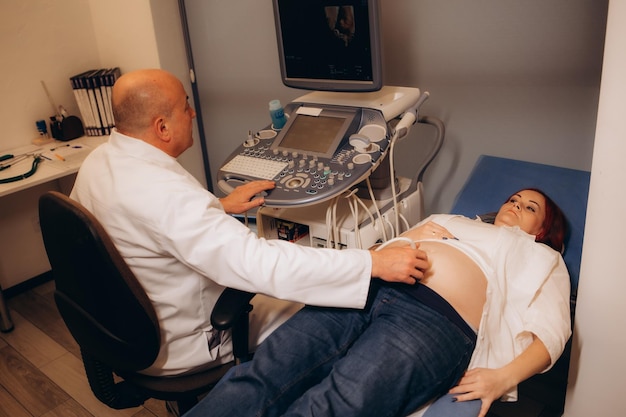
pixel 62 159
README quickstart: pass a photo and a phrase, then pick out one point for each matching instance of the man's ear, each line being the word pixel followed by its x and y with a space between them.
pixel 161 127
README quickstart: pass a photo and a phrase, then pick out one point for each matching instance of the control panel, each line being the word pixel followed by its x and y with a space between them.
pixel 321 151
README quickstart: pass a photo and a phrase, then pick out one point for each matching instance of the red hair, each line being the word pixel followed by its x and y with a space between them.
pixel 554 227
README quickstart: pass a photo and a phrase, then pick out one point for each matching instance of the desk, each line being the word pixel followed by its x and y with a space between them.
pixel 63 159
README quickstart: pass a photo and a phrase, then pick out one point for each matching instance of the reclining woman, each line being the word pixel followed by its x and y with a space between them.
pixel 495 300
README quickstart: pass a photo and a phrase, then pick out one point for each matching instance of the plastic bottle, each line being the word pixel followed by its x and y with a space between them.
pixel 42 128
pixel 277 114
pixel 44 136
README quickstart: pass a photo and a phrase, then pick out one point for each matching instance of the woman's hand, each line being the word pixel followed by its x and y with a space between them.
pixel 243 198
pixel 428 230
pixel 488 385
pixel 491 384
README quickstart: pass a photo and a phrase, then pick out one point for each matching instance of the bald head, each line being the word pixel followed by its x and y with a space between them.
pixel 140 96
pixel 152 105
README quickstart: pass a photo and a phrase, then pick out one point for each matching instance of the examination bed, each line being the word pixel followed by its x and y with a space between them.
pixel 489 184
pixel 491 181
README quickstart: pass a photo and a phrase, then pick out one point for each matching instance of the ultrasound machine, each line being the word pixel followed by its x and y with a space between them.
pixel 332 161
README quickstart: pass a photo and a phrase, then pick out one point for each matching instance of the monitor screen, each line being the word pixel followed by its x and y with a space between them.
pixel 329 45
pixel 316 135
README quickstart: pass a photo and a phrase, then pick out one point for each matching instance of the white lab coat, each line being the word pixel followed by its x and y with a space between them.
pixel 184 249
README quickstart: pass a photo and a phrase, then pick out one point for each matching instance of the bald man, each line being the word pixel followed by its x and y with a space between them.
pixel 185 248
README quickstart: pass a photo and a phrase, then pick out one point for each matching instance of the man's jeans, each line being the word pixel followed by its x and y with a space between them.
pixel 385 360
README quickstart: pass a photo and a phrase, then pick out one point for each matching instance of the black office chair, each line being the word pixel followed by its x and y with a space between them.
pixel 110 316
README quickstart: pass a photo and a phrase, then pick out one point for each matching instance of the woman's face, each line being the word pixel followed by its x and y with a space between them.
pixel 526 209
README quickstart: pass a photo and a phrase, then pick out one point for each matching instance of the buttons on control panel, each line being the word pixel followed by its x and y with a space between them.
pixel 303 178
pixel 300 172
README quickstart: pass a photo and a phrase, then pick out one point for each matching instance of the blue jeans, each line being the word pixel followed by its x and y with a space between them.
pixel 447 406
pixel 385 360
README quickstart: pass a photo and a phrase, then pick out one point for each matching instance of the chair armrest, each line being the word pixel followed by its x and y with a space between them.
pixel 230 306
pixel 231 312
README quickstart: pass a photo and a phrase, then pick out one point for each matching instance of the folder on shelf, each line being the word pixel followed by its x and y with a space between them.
pixel 92 91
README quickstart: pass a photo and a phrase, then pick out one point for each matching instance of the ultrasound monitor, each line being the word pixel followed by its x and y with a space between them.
pixel 329 45
pixel 317 135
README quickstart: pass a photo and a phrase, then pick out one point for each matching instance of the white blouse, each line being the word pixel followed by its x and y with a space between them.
pixel 528 291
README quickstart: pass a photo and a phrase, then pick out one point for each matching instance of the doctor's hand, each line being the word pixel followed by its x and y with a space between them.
pixel 402 264
pixel 243 197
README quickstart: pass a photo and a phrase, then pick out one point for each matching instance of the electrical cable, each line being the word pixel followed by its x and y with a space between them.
pixel 354 209
pixel 331 223
pixel 406 222
pixel 402 129
pixel 336 235
pixel 367 210
pixel 392 144
pixel 376 208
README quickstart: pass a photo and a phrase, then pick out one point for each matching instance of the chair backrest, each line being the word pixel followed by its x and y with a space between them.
pixel 493 179
pixel 102 303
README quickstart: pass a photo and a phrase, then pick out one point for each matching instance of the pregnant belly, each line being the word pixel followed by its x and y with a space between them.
pixel 456 278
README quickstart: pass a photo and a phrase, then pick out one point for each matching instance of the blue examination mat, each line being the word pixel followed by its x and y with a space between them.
pixel 493 179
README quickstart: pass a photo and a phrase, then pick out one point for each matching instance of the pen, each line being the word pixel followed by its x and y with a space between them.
pixel 60 146
pixel 59 156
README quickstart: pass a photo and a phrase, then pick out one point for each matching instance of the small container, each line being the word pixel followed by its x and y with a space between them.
pixel 277 113
pixel 42 128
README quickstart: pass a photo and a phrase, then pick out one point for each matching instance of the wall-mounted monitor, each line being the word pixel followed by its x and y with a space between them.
pixel 329 45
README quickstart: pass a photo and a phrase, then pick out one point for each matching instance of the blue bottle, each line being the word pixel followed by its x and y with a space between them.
pixel 277 114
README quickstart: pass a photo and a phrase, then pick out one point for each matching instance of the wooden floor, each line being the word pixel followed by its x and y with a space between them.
pixel 41 374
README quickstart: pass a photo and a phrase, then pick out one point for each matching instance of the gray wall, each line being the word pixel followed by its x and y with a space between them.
pixel 518 79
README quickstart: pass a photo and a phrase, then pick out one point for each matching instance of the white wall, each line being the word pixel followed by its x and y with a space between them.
pixel 52 40
pixel 172 57
pixel 517 79
pixel 37 42
pixel 145 34
pixel 510 78
pixel 598 365
pixel 124 33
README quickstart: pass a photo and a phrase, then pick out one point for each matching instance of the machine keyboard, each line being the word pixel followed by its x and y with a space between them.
pixel 254 167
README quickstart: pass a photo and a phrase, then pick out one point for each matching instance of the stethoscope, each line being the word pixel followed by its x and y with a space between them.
pixel 13 159
pixel 36 160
